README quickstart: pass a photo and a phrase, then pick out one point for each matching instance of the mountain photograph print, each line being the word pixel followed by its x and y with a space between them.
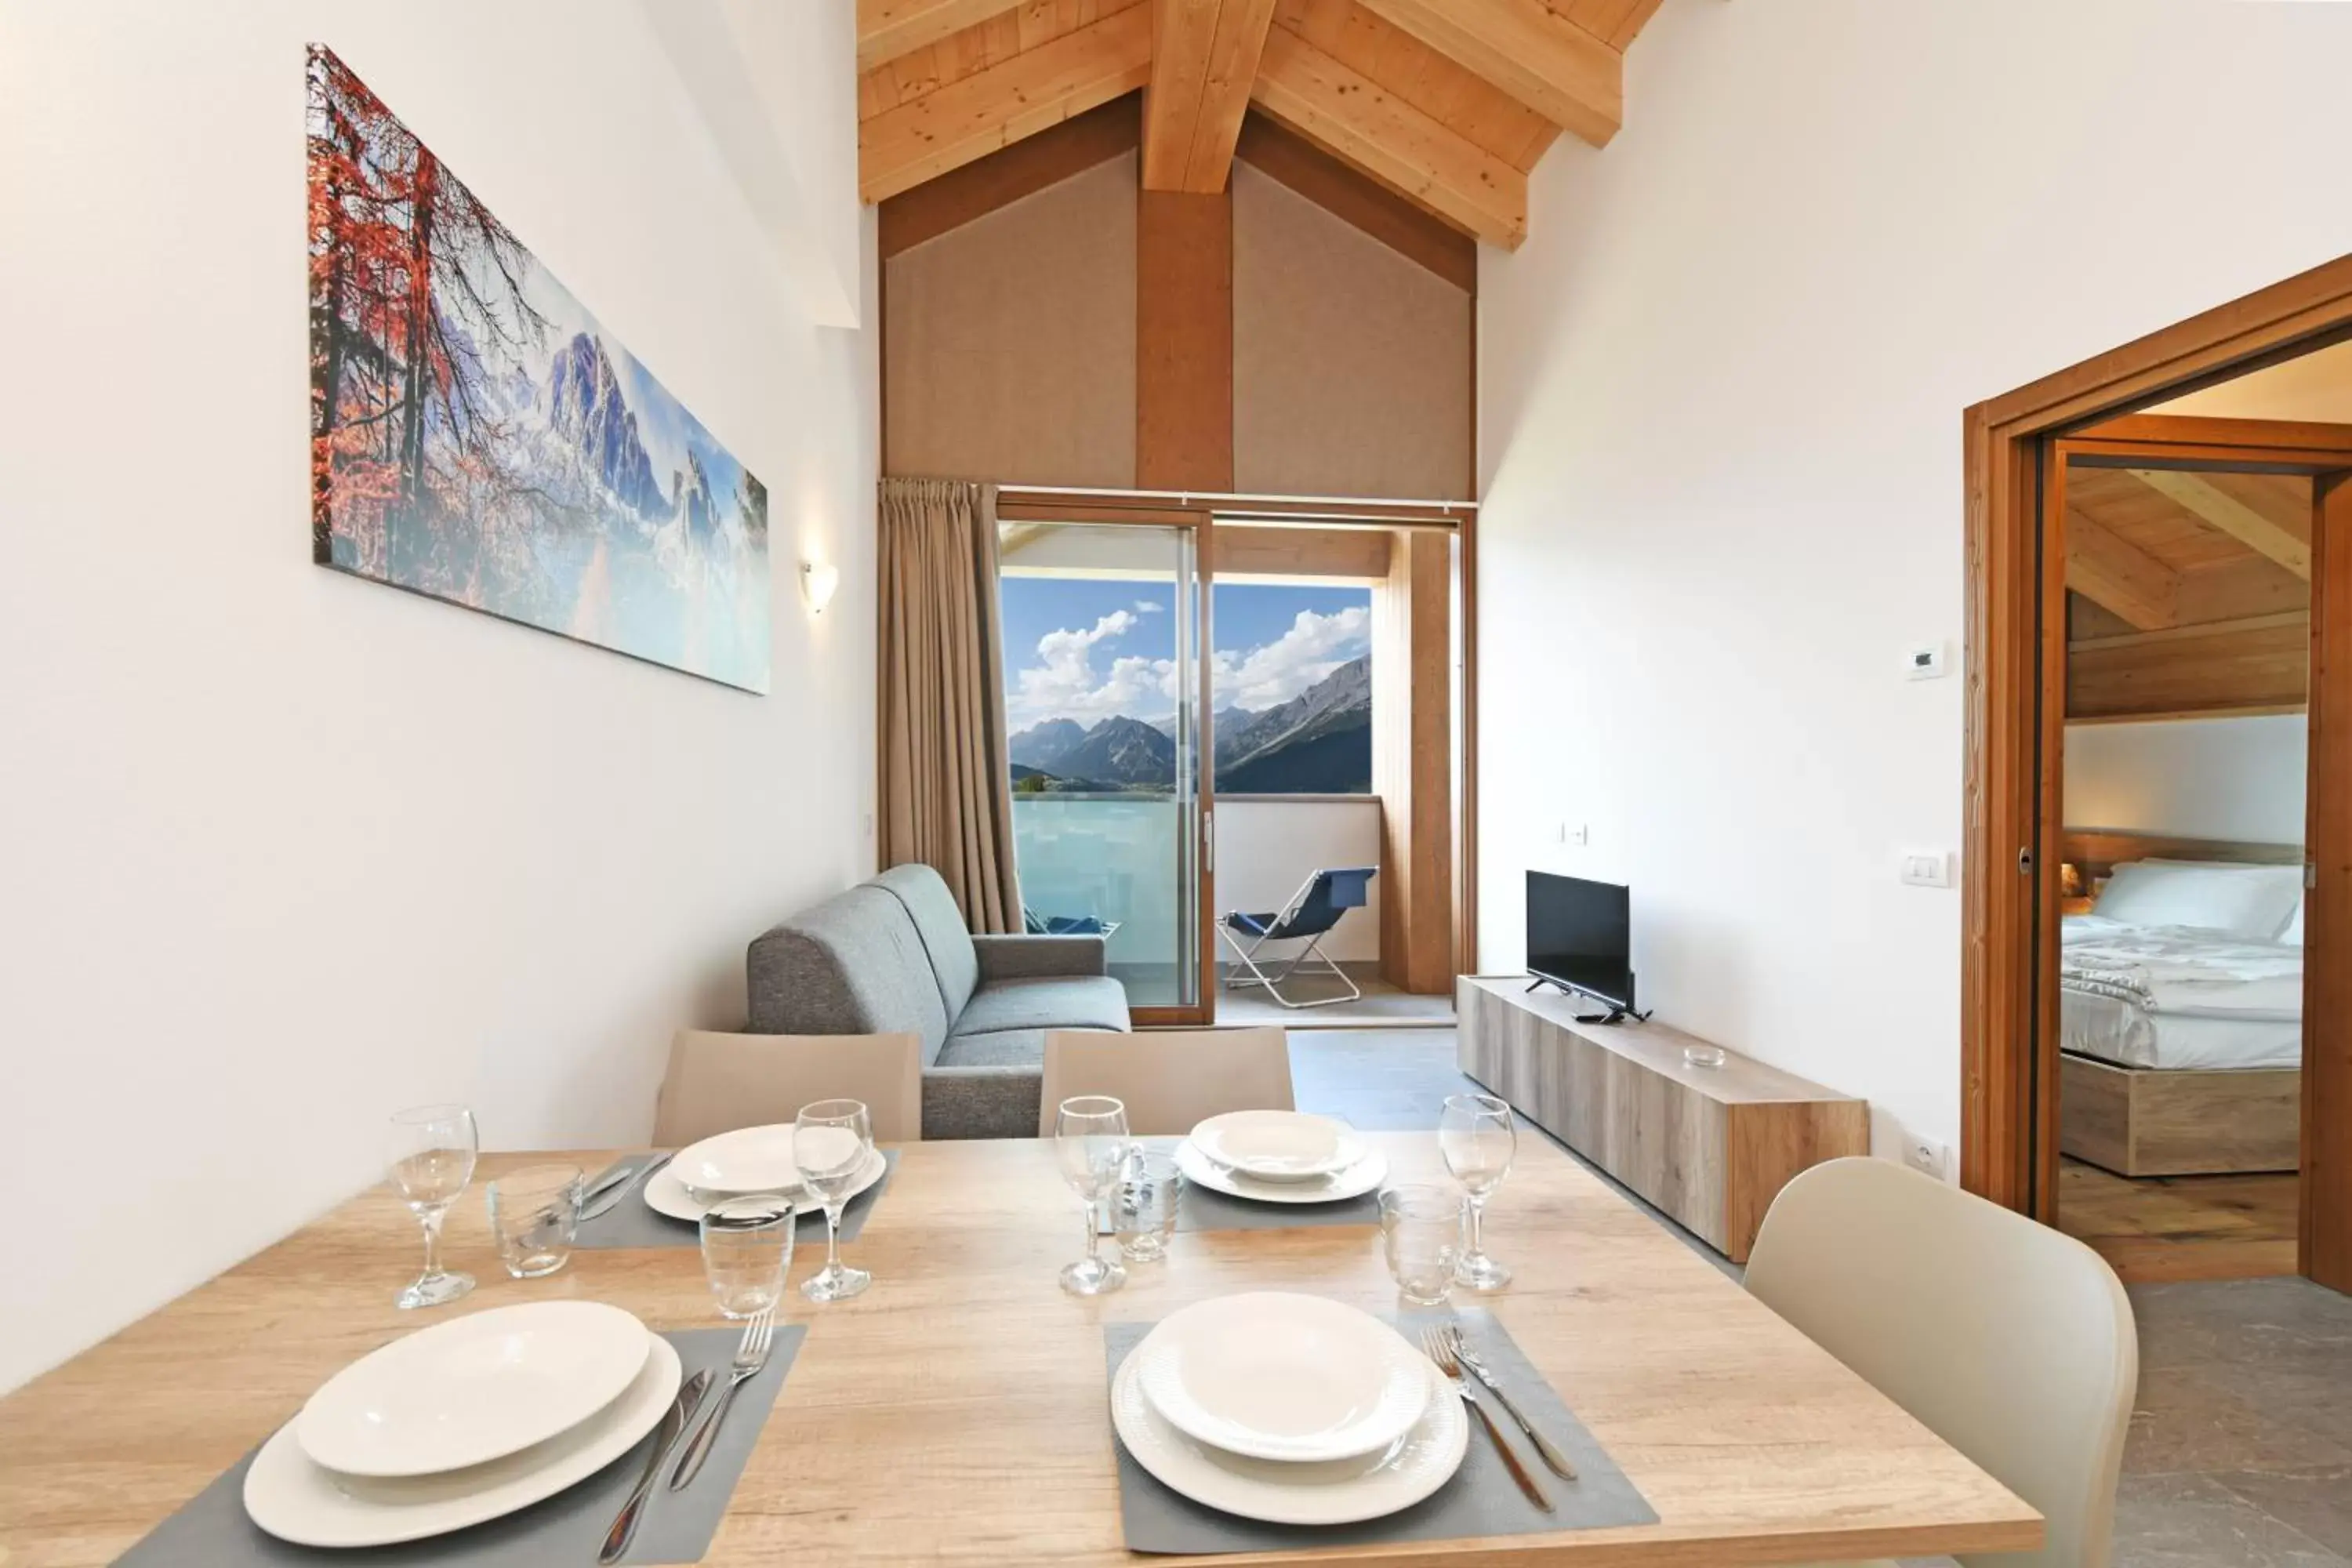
pixel 477 436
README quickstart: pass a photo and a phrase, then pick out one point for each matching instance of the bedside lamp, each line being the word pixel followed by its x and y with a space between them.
pixel 818 580
pixel 2070 879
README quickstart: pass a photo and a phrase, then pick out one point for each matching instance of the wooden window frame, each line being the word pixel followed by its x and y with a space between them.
pixel 2015 715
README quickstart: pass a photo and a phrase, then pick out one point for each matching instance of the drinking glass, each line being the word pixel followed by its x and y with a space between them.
pixel 1421 1230
pixel 429 1155
pixel 1144 1211
pixel 1479 1138
pixel 832 1141
pixel 1090 1142
pixel 747 1250
pixel 534 1215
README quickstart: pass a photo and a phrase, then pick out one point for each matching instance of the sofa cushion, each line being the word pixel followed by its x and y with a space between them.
pixel 945 936
pixel 1078 1002
pixel 998 1048
pixel 853 965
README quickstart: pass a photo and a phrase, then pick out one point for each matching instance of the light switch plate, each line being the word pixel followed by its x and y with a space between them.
pixel 1926 868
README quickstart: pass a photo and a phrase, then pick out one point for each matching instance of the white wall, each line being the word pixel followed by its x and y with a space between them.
pixel 286 849
pixel 2237 779
pixel 1267 846
pixel 1720 395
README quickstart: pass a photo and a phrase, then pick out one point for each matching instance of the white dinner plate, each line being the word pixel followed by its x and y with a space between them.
pixel 1279 1146
pixel 1274 1375
pixel 1335 1492
pixel 665 1194
pixel 473 1389
pixel 291 1498
pixel 1354 1182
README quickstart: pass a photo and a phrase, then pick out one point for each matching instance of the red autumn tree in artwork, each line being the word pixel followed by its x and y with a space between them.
pixel 476 436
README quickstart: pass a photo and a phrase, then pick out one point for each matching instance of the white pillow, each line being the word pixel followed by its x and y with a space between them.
pixel 2292 935
pixel 2253 903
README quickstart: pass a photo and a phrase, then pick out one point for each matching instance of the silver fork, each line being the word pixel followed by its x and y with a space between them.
pixel 750 1360
pixel 1554 1460
pixel 1432 1341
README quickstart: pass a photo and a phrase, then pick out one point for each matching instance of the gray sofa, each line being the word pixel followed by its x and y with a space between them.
pixel 892 956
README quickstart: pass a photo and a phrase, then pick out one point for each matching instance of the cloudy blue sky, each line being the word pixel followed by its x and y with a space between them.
pixel 1084 648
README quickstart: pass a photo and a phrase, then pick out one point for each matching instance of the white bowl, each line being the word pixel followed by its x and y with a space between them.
pixel 1278 1145
pixel 1274 1375
pixel 473 1389
pixel 747 1160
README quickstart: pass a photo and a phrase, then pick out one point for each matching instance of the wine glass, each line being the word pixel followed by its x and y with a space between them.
pixel 1090 1142
pixel 430 1157
pixel 832 1141
pixel 1479 1138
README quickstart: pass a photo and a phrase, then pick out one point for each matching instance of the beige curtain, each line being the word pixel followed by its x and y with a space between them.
pixel 946 781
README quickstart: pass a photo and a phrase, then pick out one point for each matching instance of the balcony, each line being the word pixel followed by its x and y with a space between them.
pixel 1117 857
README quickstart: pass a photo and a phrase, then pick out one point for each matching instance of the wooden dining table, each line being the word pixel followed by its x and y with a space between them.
pixel 956 1412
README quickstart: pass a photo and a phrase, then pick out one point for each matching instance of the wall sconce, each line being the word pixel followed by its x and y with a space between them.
pixel 818 580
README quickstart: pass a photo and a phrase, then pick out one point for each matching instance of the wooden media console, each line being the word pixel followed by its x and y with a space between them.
pixel 1710 1146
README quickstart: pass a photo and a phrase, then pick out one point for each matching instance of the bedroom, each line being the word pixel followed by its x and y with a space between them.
pixel 2186 790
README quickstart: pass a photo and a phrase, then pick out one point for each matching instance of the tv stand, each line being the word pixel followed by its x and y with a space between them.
pixel 1712 1147
pixel 1615 1015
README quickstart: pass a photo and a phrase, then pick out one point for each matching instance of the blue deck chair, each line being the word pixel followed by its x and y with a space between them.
pixel 1311 914
pixel 1037 924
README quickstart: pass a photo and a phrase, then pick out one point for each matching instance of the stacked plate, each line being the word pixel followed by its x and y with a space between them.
pixel 464 1421
pixel 750 1161
pixel 1290 1409
pixel 1280 1157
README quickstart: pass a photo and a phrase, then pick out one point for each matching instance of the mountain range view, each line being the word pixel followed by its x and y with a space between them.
pixel 1319 743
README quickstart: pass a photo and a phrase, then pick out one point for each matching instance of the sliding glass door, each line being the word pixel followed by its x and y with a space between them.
pixel 1103 632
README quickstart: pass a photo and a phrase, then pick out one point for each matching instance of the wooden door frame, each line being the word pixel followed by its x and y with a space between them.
pixel 2015 696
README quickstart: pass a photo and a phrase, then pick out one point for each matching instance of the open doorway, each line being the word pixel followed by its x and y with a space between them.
pixel 1238 744
pixel 2180 965
pixel 2148 432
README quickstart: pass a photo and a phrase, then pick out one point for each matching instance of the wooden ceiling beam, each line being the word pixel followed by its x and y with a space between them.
pixel 1529 50
pixel 889 28
pixel 2119 576
pixel 1204 61
pixel 2265 536
pixel 1419 157
pixel 967 119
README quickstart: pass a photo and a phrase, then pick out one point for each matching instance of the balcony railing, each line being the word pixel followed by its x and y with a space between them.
pixel 1116 857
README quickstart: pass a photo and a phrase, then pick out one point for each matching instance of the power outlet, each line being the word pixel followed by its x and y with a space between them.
pixel 1923 1155
pixel 1575 832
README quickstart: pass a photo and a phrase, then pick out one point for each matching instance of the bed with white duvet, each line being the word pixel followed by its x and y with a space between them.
pixel 2182 997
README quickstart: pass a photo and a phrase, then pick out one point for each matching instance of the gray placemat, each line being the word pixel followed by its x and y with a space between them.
pixel 1480 1500
pixel 562 1531
pixel 1203 1208
pixel 631 1223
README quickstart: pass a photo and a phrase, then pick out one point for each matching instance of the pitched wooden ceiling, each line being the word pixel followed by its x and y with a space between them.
pixel 1448 102
pixel 2157 549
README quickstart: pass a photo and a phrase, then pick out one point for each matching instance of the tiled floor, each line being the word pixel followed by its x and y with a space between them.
pixel 2241 1449
pixel 1381 1005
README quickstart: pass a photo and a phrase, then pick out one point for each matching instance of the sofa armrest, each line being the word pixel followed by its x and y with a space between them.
pixel 1037 957
pixel 982 1102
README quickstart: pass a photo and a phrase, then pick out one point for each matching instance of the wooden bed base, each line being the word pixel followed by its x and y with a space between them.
pixel 2159 1122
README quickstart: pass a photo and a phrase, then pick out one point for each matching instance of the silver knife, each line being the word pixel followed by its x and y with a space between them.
pixel 673 1426
pixel 602 1199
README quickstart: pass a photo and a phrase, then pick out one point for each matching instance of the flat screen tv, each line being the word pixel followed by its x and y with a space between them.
pixel 1581 938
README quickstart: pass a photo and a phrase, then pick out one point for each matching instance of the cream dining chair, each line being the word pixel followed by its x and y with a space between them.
pixel 1172 1079
pixel 2009 1340
pixel 718 1082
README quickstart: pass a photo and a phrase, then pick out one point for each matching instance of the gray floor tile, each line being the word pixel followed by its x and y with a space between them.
pixel 2189 1421
pixel 2318 1502
pixel 2240 1322
pixel 2195 1522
